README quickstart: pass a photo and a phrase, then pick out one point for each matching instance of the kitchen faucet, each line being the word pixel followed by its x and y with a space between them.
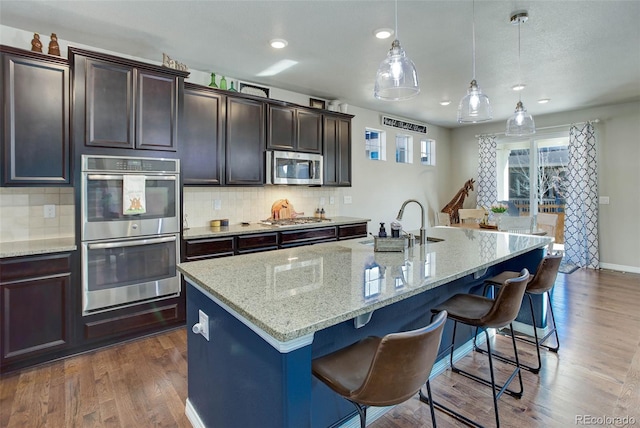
pixel 423 233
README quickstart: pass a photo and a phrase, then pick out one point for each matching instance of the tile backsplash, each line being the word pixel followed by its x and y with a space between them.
pixel 22 213
pixel 253 204
pixel 22 208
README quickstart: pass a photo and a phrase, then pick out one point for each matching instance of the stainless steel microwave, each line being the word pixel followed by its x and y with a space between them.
pixel 294 168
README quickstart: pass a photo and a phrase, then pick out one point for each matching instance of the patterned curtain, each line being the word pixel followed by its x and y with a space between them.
pixel 487 171
pixel 581 217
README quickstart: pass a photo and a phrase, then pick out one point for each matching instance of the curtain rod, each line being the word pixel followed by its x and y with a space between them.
pixel 543 128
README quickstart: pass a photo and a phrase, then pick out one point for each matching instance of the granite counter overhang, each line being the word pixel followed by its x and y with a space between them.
pixel 295 292
pixel 238 229
pixel 36 246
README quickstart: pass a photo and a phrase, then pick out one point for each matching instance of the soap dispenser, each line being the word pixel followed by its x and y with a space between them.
pixel 382 233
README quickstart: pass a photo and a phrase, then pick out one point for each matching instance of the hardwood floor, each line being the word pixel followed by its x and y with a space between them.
pixel 143 383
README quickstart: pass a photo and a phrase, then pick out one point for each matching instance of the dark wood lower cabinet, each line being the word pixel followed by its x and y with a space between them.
pixel 35 297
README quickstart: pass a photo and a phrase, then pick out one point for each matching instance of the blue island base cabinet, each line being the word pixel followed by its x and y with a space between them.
pixel 238 379
pixel 246 377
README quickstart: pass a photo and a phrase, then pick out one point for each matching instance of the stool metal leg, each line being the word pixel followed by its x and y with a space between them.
pixel 429 400
pixel 538 342
pixel 362 411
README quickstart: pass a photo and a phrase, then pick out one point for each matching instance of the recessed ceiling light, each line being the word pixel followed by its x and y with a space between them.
pixel 543 100
pixel 445 102
pixel 383 33
pixel 518 87
pixel 278 43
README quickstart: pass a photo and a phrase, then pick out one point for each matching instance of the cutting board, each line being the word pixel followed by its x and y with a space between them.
pixel 283 209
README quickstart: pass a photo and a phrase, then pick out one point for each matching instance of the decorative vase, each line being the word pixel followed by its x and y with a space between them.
pixel 231 88
pixel 223 83
pixel 213 81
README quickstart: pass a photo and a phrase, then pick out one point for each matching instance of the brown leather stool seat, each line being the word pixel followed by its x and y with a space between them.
pixel 383 371
pixel 540 283
pixel 483 313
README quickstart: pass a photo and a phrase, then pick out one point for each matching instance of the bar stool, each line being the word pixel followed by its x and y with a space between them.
pixel 383 371
pixel 540 283
pixel 483 313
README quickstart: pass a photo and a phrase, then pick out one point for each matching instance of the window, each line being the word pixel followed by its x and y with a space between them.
pixel 428 152
pixel 404 153
pixel 375 143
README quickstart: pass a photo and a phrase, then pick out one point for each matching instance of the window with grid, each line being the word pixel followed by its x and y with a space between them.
pixel 375 144
pixel 403 148
pixel 428 152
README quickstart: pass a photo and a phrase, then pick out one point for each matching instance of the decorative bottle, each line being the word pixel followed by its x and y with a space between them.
pixel 231 88
pixel 213 81
pixel 223 83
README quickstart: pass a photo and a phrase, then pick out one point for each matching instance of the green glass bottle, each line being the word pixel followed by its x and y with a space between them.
pixel 223 83
pixel 231 88
pixel 213 81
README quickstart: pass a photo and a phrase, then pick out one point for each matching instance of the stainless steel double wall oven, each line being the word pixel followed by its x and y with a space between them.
pixel 129 259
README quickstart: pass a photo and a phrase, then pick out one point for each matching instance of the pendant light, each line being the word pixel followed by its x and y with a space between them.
pixel 396 78
pixel 521 123
pixel 474 107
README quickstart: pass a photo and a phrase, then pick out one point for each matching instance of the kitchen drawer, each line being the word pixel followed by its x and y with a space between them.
pixel 307 236
pixel 352 231
pixel 199 249
pixel 32 267
pixel 254 243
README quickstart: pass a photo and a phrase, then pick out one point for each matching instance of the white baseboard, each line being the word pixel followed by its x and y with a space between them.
pixel 621 268
pixel 193 416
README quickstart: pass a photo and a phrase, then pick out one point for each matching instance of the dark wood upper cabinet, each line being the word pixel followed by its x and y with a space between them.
pixel 245 141
pixel 122 103
pixel 201 137
pixel 337 151
pixel 35 119
pixel 291 128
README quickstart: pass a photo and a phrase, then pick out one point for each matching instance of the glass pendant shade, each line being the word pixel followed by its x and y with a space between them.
pixel 474 107
pixel 521 123
pixel 396 78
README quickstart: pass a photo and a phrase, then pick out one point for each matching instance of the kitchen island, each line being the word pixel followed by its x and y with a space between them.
pixel 270 314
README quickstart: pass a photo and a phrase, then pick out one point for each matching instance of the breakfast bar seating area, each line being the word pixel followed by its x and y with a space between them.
pixel 328 296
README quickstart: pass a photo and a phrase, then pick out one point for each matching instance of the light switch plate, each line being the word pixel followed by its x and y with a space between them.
pixel 217 204
pixel 49 211
pixel 604 200
pixel 347 199
pixel 204 324
pixel 332 200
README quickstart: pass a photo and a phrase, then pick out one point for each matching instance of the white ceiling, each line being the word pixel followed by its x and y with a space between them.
pixel 577 53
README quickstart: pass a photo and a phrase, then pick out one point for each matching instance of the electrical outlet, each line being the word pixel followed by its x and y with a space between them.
pixel 332 200
pixel 49 211
pixel 323 201
pixel 217 204
pixel 347 199
pixel 204 324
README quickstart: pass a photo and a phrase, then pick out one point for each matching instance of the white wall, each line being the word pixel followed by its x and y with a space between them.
pixel 618 135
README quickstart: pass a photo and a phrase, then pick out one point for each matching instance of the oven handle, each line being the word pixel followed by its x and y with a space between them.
pixel 119 177
pixel 121 244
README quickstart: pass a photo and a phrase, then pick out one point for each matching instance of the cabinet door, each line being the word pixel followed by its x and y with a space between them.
pixel 281 128
pixel 309 131
pixel 156 110
pixel 109 107
pixel 35 319
pixel 245 142
pixel 201 138
pixel 337 151
pixel 344 152
pixel 36 121
pixel 330 151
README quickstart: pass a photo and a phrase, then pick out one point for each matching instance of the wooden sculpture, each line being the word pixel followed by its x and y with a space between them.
pixel 456 203
pixel 36 44
pixel 54 47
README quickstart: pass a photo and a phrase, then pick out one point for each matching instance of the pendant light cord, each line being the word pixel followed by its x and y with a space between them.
pixel 397 37
pixel 473 43
pixel 519 66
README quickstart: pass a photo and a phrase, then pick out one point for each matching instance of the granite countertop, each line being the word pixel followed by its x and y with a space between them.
pixel 255 227
pixel 36 246
pixel 294 292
